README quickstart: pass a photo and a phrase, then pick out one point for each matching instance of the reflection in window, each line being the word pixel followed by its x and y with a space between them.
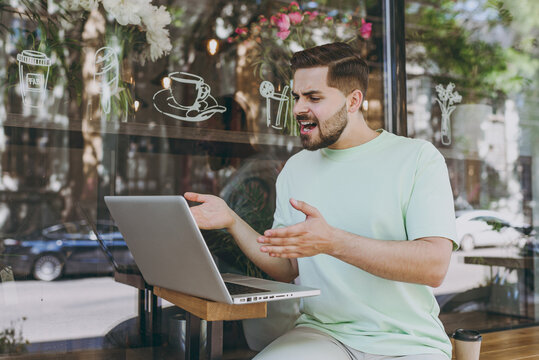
pixel 98 131
pixel 485 49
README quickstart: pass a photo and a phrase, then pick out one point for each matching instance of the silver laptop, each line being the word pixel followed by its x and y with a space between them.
pixel 170 252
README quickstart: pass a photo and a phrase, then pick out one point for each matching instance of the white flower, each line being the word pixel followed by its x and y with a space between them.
pixel 112 6
pixel 159 43
pixel 125 11
pixel 87 5
pixel 156 18
pixel 150 18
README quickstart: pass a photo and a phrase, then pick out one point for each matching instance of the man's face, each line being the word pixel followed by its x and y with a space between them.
pixel 320 110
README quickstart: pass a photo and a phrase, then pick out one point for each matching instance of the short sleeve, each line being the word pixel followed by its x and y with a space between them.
pixel 430 210
pixel 281 201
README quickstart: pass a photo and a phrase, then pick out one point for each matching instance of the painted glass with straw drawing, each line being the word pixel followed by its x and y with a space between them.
pixel 277 104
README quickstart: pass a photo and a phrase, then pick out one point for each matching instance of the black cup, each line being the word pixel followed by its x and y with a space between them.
pixel 467 335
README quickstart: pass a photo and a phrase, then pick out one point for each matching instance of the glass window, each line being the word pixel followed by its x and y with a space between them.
pixel 472 90
pixel 159 98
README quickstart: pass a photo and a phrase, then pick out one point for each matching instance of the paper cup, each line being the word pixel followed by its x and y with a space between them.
pixel 467 344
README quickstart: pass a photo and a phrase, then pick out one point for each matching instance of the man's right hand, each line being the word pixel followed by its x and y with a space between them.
pixel 212 213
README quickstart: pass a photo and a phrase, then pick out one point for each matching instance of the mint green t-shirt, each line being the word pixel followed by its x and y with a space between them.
pixel 390 188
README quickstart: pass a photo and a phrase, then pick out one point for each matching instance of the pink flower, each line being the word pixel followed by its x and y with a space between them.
pixel 282 21
pixel 230 40
pixel 312 15
pixel 241 31
pixel 294 5
pixel 366 29
pixel 262 20
pixel 295 17
pixel 328 19
pixel 283 34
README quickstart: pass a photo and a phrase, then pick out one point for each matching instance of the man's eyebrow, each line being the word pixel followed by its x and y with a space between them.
pixel 307 93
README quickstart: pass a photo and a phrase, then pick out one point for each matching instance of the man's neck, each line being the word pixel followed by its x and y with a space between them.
pixel 356 133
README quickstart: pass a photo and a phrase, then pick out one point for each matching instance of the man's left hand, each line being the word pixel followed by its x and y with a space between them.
pixel 308 238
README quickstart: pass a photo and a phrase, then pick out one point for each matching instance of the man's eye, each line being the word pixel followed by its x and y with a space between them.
pixel 315 98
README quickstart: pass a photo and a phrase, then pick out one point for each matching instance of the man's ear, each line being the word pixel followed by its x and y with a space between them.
pixel 354 100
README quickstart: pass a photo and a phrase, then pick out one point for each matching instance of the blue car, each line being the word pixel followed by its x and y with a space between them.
pixel 69 248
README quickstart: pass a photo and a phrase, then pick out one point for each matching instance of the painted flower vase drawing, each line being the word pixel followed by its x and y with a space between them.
pixel 33 76
pixel 447 99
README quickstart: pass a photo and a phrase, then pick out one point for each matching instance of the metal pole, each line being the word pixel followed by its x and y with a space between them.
pixel 394 67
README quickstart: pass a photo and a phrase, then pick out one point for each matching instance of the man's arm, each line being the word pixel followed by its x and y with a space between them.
pixel 214 213
pixel 422 261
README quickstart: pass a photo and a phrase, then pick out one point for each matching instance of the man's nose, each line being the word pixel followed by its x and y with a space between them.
pixel 300 107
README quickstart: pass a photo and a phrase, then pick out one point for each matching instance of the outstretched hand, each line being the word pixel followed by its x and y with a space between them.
pixel 308 238
pixel 212 213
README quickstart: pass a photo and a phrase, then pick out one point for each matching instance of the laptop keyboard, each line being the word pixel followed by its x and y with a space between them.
pixel 236 289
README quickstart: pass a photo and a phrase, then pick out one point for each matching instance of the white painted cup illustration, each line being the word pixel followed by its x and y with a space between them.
pixel 106 74
pixel 33 75
pixel 188 90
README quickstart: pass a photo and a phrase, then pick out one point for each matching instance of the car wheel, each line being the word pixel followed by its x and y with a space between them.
pixel 467 243
pixel 47 268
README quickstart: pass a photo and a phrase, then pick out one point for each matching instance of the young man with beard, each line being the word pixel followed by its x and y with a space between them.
pixel 364 215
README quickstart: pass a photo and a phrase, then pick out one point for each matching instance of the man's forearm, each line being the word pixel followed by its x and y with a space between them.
pixel 278 268
pixel 422 261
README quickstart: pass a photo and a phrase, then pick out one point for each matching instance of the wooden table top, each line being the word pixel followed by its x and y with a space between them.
pixel 204 309
pixel 211 310
pixel 512 262
pixel 513 344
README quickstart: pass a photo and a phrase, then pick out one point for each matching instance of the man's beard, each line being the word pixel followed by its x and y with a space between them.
pixel 329 131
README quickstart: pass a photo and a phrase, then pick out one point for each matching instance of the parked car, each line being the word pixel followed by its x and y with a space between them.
pixel 68 248
pixel 531 247
pixel 488 228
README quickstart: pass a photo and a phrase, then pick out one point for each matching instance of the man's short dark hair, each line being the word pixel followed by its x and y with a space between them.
pixel 347 71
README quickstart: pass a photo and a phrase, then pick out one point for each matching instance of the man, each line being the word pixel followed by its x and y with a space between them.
pixel 366 216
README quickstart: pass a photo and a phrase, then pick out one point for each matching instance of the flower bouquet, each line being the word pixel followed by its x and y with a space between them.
pixel 140 17
pixel 292 29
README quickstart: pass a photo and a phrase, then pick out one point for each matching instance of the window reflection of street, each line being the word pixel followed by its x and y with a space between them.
pixel 491 155
pixel 69 248
pixel 50 307
pixel 494 284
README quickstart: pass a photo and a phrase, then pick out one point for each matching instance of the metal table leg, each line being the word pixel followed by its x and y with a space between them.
pixel 214 340
pixel 142 314
pixel 154 318
pixel 192 337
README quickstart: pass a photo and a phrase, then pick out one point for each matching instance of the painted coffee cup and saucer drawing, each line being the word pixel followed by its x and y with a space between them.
pixel 188 98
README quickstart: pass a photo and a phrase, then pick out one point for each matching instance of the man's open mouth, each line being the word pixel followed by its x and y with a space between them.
pixel 306 126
